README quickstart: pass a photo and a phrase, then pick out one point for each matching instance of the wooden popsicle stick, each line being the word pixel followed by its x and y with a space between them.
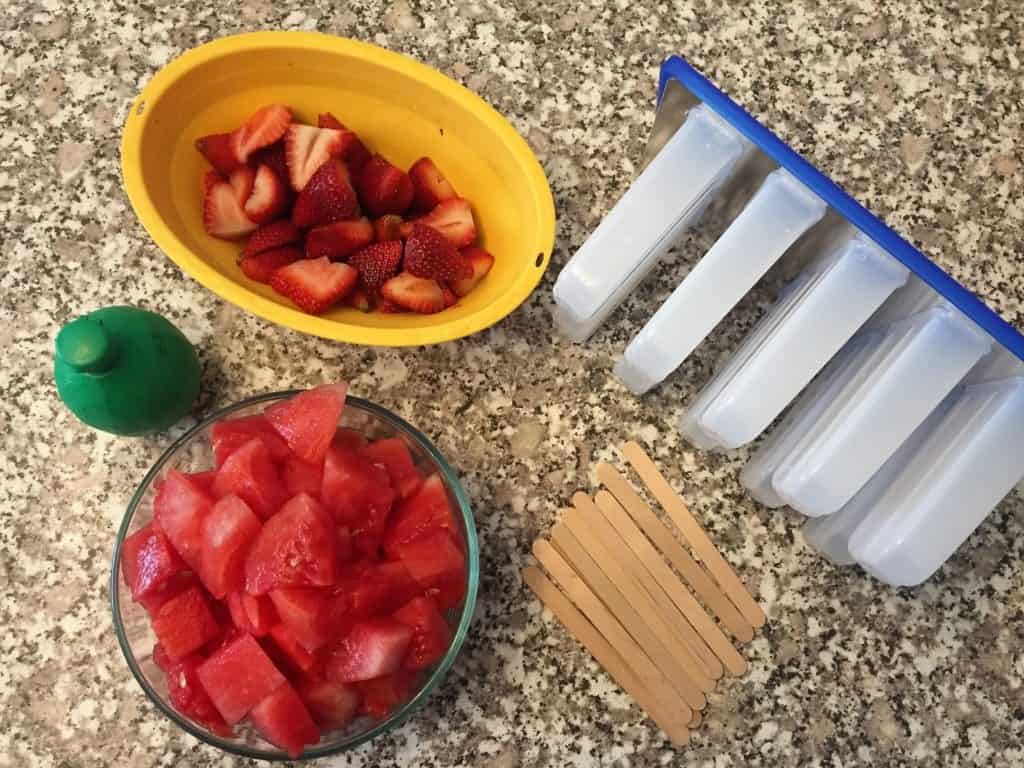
pixel 623 609
pixel 694 723
pixel 565 577
pixel 697 578
pixel 578 626
pixel 672 587
pixel 674 631
pixel 694 534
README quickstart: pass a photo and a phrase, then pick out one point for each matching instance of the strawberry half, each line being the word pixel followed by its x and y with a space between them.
pixel 450 299
pixel 354 154
pixel 338 240
pixel 307 148
pixel 266 126
pixel 314 285
pixel 387 228
pixel 273 235
pixel 327 197
pixel 428 254
pixel 377 263
pixel 429 185
pixel 223 215
pixel 359 299
pixel 452 218
pixel 261 266
pixel 242 180
pixel 218 151
pixel 415 293
pixel 386 307
pixel 327 120
pixel 383 188
pixel 480 261
pixel 274 157
pixel 269 196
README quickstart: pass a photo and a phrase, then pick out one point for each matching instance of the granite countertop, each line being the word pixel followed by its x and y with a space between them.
pixel 917 111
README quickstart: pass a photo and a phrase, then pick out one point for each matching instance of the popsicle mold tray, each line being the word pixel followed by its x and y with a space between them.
pixel 905 393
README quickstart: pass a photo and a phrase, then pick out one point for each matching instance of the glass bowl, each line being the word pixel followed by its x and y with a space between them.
pixel 191 453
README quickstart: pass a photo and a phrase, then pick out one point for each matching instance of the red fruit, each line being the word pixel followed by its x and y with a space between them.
pixel 450 299
pixel 373 648
pixel 185 623
pixel 431 634
pixel 242 180
pixel 223 215
pixel 178 511
pixel 387 228
pixel 283 720
pixel 480 263
pixel 369 591
pixel 414 293
pixel 292 649
pixel 228 435
pixel 307 148
pixel 262 266
pixel 377 263
pixel 238 676
pixel 359 299
pixel 332 705
pixel 303 611
pixel 425 512
pixel 255 615
pixel 173 587
pixel 186 692
pixel 228 531
pixel 274 156
pixel 453 219
pixel 327 196
pixel 266 126
pixel 301 476
pixel 338 240
pixel 308 420
pixel 355 154
pixel 428 254
pixel 268 198
pixel 393 455
pixel 359 494
pixel 295 548
pixel 272 236
pixel 203 479
pixel 327 120
pixel 314 285
pixel 352 439
pixel 237 610
pixel 383 695
pixel 429 185
pixel 389 307
pixel 437 565
pixel 345 546
pixel 217 150
pixel 383 188
pixel 148 562
pixel 250 473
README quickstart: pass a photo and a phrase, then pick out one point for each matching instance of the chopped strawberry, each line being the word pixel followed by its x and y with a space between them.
pixel 266 126
pixel 413 293
pixel 452 218
pixel 480 262
pixel 327 120
pixel 359 299
pixel 339 239
pixel 383 188
pixel 428 254
pixel 354 153
pixel 387 228
pixel 272 236
pixel 307 148
pixel 315 285
pixel 377 263
pixel 430 185
pixel 386 307
pixel 262 266
pixel 223 215
pixel 268 198
pixel 450 299
pixel 327 196
pixel 274 156
pixel 217 150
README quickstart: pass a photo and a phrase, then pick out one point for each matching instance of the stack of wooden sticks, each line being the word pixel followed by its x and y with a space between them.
pixel 610 581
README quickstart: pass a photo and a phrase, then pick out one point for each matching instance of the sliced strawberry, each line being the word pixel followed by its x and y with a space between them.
pixel 387 307
pixel 314 285
pixel 268 198
pixel 414 293
pixel 359 299
pixel 383 188
pixel 242 180
pixel 263 265
pixel 328 196
pixel 327 120
pixel 429 185
pixel 223 215
pixel 339 239
pixel 266 126
pixel 273 156
pixel 272 236
pixel 217 150
pixel 450 299
pixel 452 218
pixel 307 148
pixel 480 262
pixel 428 254
pixel 354 153
pixel 387 228
pixel 377 263
pixel 372 649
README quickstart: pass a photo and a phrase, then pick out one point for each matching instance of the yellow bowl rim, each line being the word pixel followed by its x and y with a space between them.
pixel 240 295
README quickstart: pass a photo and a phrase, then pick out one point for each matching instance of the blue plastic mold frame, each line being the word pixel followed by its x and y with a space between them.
pixel 676 68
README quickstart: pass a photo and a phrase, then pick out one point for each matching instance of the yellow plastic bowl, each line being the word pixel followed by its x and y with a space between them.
pixel 399 107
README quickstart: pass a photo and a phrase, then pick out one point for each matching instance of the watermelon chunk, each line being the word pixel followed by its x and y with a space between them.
pixel 302 477
pixel 229 435
pixel 352 439
pixel 332 705
pixel 308 420
pixel 249 473
pixel 393 455
pixel 423 513
pixel 185 623
pixel 286 641
pixel 178 511
pixel 346 549
pixel 303 612
pixel 186 692
pixel 283 720
pixel 239 676
pixel 173 587
pixel 148 562
pixel 383 695
pixel 369 592
pixel 373 648
pixel 204 479
pixel 437 565
pixel 431 634
pixel 295 548
pixel 359 494
pixel 228 531
pixel 252 614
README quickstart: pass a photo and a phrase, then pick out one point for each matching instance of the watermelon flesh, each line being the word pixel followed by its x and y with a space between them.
pixel 229 435
pixel 295 548
pixel 381 696
pixel 228 531
pixel 250 473
pixel 185 623
pixel 371 649
pixel 186 693
pixel 308 421
pixel 178 511
pixel 431 634
pixel 283 720
pixel 303 612
pixel 148 562
pixel 238 677
pixel 393 455
pixel 437 565
pixel 420 515
pixel 332 705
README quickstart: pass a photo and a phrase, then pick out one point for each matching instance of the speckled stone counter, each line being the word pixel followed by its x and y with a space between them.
pixel 915 107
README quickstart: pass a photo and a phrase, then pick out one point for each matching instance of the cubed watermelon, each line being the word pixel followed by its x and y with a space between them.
pixel 250 474
pixel 228 532
pixel 303 611
pixel 148 562
pixel 345 549
pixel 295 548
pixel 204 479
pixel 437 565
pixel 360 495
pixel 238 677
pixel 283 720
pixel 302 477
pixel 383 695
pixel 178 511
pixel 186 692
pixel 423 513
pixel 308 420
pixel 251 613
pixel 229 435
pixel 393 455
pixel 290 646
pixel 372 648
pixel 185 623
pixel 332 705
pixel 431 634
pixel 352 439
pixel 173 587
